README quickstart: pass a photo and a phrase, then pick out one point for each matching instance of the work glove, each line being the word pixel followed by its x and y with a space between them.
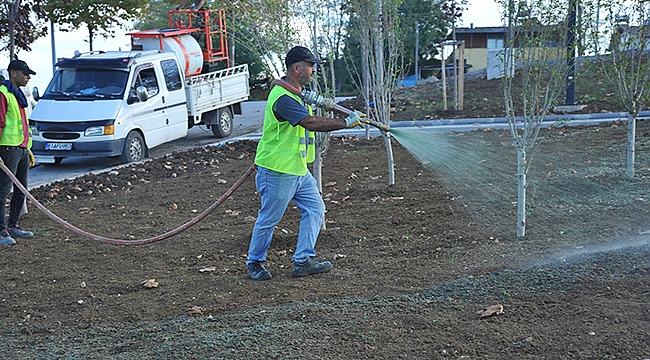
pixel 354 119
pixel 32 161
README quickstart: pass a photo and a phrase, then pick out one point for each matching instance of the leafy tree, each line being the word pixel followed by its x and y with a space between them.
pixel 154 14
pixel 98 17
pixel 267 28
pixel 328 27
pixel 21 24
pixel 428 16
pixel 433 28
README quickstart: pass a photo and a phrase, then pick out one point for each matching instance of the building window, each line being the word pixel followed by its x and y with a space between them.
pixel 495 41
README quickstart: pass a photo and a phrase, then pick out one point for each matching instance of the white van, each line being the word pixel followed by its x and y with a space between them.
pixel 124 103
pixel 110 104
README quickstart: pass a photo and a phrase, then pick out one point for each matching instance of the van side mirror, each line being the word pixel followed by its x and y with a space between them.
pixel 35 94
pixel 141 93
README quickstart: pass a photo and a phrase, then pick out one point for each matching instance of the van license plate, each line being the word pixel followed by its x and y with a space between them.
pixel 58 146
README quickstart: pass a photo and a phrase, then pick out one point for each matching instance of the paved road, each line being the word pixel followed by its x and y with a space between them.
pixel 250 121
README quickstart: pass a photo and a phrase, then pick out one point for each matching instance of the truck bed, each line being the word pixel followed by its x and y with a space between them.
pixel 215 90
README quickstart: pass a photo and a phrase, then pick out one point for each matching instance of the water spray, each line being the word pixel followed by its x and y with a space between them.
pixel 326 104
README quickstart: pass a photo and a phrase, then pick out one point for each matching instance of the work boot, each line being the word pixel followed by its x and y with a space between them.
pixel 6 239
pixel 310 267
pixel 257 271
pixel 20 233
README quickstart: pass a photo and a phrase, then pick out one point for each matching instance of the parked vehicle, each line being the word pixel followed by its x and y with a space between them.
pixel 122 103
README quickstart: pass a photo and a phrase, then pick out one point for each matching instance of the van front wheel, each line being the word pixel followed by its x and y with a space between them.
pixel 134 148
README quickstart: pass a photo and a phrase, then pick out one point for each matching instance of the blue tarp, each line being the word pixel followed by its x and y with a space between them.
pixel 407 81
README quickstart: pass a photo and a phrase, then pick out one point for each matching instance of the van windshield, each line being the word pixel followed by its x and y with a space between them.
pixel 87 83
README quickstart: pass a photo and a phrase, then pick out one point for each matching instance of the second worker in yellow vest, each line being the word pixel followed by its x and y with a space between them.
pixel 15 144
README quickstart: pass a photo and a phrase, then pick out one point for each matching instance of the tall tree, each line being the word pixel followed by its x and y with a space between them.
pixel 375 24
pixel 627 63
pixel 327 28
pixel 537 38
pixel 99 18
pixel 21 24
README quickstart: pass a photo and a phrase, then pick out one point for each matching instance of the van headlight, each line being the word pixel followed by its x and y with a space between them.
pixel 100 130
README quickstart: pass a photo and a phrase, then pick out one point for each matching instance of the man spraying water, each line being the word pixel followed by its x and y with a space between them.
pixel 283 152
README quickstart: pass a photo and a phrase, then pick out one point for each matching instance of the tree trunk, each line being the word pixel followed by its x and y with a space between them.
pixel 366 83
pixel 391 164
pixel 521 193
pixel 231 44
pixel 461 76
pixel 318 174
pixel 631 135
pixel 12 41
pixel 13 14
pixel 90 37
pixel 443 66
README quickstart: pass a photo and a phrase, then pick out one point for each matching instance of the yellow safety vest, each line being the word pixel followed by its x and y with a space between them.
pixel 12 133
pixel 283 147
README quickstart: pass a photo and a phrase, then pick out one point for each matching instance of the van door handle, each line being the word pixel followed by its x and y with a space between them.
pixel 163 99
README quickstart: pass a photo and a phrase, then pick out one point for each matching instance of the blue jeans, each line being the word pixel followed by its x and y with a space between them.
pixel 276 191
pixel 17 160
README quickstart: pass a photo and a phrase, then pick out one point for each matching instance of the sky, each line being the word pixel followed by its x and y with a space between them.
pixel 480 13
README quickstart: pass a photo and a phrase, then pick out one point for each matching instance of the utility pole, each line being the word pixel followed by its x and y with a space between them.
pixel 53 46
pixel 571 55
pixel 570 98
pixel 461 75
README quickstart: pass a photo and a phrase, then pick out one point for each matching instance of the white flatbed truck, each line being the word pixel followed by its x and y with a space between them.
pixel 122 103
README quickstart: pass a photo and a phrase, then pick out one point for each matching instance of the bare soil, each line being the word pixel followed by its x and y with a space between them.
pixel 412 264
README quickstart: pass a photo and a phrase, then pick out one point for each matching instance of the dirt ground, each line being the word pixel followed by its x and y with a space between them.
pixel 412 263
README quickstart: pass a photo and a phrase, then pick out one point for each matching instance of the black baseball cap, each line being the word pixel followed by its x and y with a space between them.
pixel 300 53
pixel 20 65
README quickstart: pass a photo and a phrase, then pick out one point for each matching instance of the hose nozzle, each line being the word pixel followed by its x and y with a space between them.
pixel 380 126
pixel 326 104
